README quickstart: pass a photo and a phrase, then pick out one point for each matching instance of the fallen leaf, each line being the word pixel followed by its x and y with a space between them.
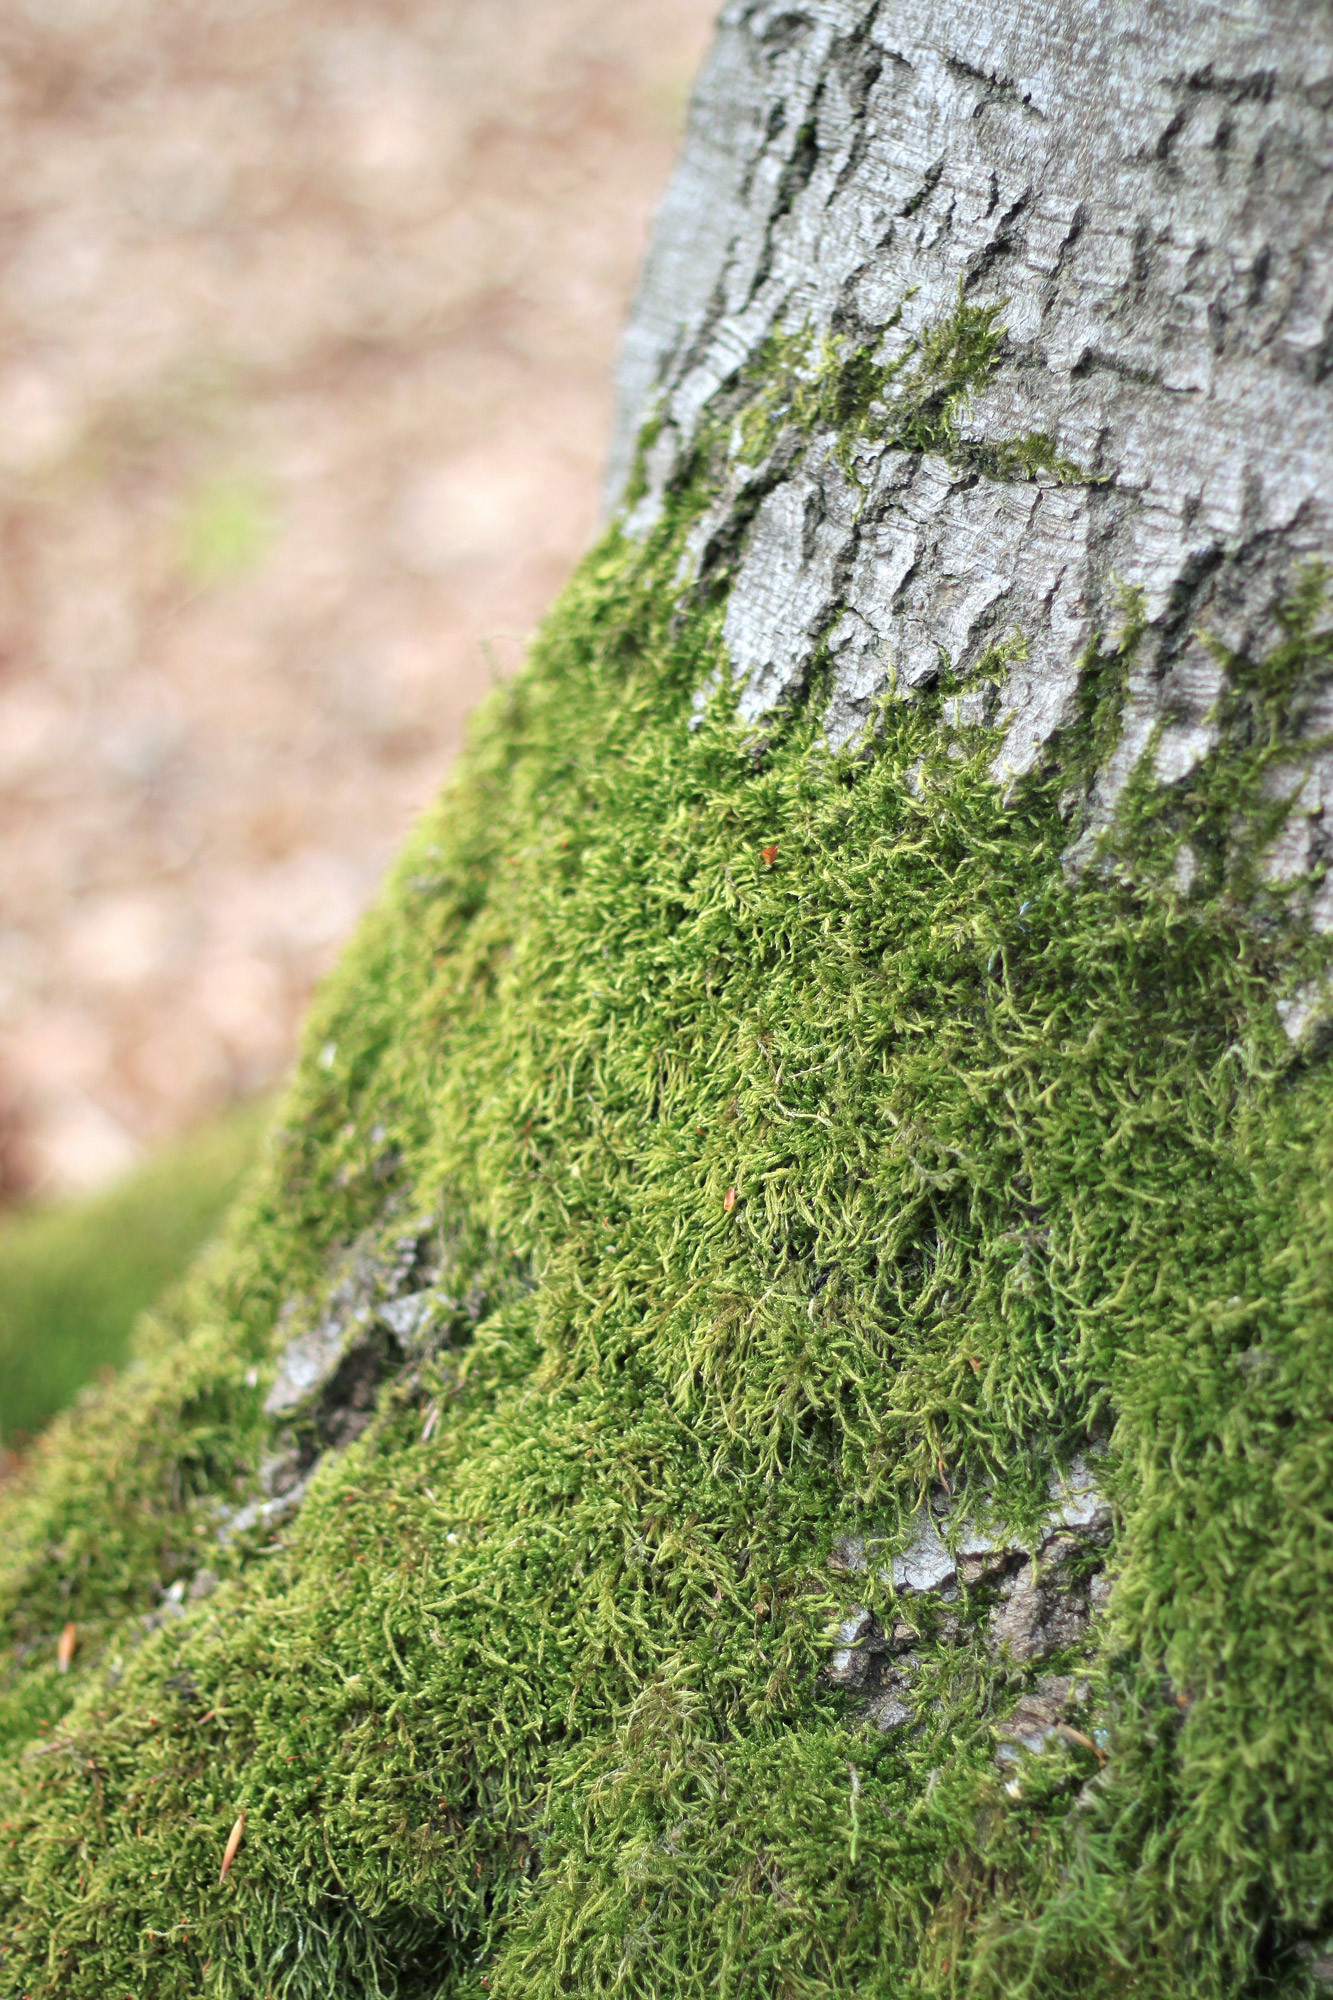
pixel 768 855
pixel 729 1200
pixel 68 1640
pixel 233 1842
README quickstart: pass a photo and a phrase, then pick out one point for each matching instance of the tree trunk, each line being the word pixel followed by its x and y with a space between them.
pixel 767 1426
pixel 1144 196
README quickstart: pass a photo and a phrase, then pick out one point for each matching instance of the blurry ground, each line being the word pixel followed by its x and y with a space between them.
pixel 307 314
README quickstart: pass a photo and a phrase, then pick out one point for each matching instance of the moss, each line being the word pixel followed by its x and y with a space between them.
pixel 807 1137
pixel 1239 798
pixel 636 484
pixel 805 384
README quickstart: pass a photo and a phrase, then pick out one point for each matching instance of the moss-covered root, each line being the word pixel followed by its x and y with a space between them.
pixel 713 1154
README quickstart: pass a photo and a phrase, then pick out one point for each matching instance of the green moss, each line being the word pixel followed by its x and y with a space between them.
pixel 74 1277
pixel 804 384
pixel 636 485
pixel 789 1184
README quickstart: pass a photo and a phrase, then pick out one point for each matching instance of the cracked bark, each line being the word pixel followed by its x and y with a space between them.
pixel 1148 191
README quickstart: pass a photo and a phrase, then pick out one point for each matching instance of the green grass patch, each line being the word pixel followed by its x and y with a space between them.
pixel 74 1277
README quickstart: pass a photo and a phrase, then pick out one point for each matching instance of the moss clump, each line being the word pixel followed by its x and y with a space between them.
pixel 794 1138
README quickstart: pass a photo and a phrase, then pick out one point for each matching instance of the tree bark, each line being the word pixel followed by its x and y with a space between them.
pixel 1146 194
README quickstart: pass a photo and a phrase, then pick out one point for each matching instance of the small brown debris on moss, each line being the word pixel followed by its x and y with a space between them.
pixel 65 1646
pixel 229 1852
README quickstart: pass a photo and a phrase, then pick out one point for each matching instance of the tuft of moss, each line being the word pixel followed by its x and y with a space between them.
pixel 801 1137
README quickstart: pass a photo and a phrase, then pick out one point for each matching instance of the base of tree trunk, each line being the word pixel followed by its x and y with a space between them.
pixel 765 1426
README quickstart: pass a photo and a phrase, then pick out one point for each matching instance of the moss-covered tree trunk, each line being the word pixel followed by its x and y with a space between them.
pixel 766 1426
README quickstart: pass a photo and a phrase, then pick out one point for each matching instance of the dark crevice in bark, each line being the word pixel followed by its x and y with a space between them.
pixel 994 88
pixel 784 33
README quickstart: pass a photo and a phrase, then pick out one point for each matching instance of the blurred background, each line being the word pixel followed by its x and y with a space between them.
pixel 308 311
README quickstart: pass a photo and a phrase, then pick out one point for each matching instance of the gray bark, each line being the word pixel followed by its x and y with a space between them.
pixel 1148 189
